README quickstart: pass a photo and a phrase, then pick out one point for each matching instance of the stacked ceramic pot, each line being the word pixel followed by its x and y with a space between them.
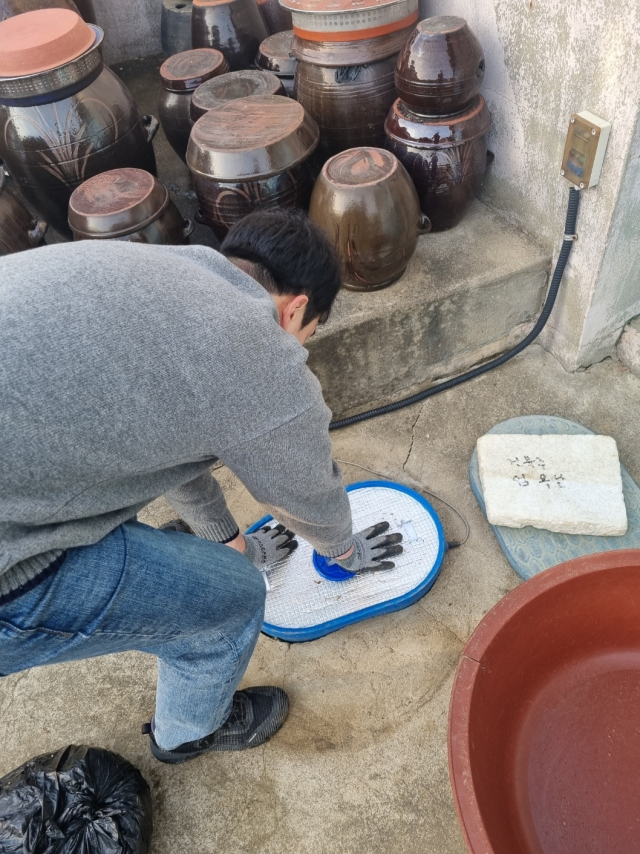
pixel 276 55
pixel 251 154
pixel 346 52
pixel 126 204
pixel 180 76
pixel 235 27
pixel 64 116
pixel 438 126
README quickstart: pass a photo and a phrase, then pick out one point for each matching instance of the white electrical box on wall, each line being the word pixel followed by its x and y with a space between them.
pixel 584 150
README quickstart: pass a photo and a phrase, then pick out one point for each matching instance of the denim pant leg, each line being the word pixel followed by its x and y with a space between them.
pixel 197 605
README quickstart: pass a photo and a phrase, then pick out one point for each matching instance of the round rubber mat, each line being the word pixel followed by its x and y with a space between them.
pixel 302 604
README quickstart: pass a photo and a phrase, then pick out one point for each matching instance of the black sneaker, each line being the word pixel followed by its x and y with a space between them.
pixel 176 525
pixel 257 714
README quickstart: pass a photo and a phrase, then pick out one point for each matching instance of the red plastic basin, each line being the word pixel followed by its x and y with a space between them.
pixel 544 723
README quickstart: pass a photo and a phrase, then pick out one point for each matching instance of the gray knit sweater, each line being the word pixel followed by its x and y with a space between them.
pixel 125 371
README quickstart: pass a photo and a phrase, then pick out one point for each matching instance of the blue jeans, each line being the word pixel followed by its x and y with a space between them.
pixel 195 604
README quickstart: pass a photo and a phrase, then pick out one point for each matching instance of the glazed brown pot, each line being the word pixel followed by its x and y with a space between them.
pixel 446 157
pixel 230 87
pixel 18 229
pixel 180 76
pixel 276 17
pixel 234 27
pixel 61 127
pixel 251 154
pixel 126 204
pixel 276 55
pixel 349 103
pixel 365 202
pixel 441 67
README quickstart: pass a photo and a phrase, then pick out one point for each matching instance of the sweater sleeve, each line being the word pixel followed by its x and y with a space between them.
pixel 202 505
pixel 290 471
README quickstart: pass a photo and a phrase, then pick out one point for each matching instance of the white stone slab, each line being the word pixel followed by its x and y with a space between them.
pixel 567 484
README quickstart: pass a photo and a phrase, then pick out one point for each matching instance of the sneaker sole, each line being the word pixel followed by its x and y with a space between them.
pixel 265 731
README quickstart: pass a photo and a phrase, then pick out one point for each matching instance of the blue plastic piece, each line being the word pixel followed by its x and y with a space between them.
pixel 532 550
pixel 317 631
pixel 330 570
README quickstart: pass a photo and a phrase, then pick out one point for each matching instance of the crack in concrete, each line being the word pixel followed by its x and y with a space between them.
pixel 413 436
pixel 442 625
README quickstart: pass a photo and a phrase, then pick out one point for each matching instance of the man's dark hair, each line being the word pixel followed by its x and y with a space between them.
pixel 294 253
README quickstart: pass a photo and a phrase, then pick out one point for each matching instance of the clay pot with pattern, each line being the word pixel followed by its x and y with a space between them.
pixel 180 76
pixel 276 17
pixel 215 93
pixel 235 27
pixel 251 154
pixel 441 67
pixel 365 202
pixel 446 157
pixel 18 229
pixel 175 26
pixel 349 103
pixel 126 204
pixel 276 55
pixel 65 124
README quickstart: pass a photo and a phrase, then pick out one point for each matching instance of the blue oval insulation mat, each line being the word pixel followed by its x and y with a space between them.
pixel 304 604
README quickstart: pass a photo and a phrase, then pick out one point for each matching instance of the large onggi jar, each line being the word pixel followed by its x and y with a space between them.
pixel 64 116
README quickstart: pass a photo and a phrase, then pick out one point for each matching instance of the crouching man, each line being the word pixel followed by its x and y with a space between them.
pixel 126 371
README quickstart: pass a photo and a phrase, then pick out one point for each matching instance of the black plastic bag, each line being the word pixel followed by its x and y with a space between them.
pixel 80 800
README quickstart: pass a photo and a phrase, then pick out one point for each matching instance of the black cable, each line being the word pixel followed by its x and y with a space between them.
pixel 567 243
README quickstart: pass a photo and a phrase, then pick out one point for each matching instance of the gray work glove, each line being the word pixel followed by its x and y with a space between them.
pixel 268 545
pixel 370 550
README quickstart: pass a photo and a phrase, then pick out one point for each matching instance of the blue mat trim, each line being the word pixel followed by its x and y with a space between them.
pixel 399 603
pixel 532 550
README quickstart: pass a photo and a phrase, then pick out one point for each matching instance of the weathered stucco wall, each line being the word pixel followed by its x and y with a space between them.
pixel 545 60
pixel 132 28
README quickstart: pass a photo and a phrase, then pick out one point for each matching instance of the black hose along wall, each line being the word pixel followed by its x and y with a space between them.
pixel 567 243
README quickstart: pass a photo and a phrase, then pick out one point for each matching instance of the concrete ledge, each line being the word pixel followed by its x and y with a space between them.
pixel 629 347
pixel 468 294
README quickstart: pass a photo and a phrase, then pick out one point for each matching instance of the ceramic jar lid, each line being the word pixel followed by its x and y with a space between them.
pixel 276 54
pixel 438 132
pixel 229 87
pixel 116 203
pixel 252 138
pixel 338 54
pixel 185 71
pixel 350 20
pixel 41 40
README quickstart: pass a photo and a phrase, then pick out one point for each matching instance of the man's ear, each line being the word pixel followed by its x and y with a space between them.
pixel 294 308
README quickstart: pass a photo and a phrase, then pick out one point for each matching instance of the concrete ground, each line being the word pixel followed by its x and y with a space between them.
pixel 361 763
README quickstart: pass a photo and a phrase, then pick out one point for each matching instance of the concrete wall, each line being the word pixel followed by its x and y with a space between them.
pixel 132 28
pixel 545 60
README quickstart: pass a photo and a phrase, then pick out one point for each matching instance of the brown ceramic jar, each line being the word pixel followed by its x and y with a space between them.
pixel 18 229
pixel 251 154
pixel 441 67
pixel 235 27
pixel 349 103
pixel 276 17
pixel 126 204
pixel 446 157
pixel 60 127
pixel 180 76
pixel 230 87
pixel 365 202
pixel 276 55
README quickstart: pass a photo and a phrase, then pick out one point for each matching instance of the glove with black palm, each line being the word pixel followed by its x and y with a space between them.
pixel 268 545
pixel 370 550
